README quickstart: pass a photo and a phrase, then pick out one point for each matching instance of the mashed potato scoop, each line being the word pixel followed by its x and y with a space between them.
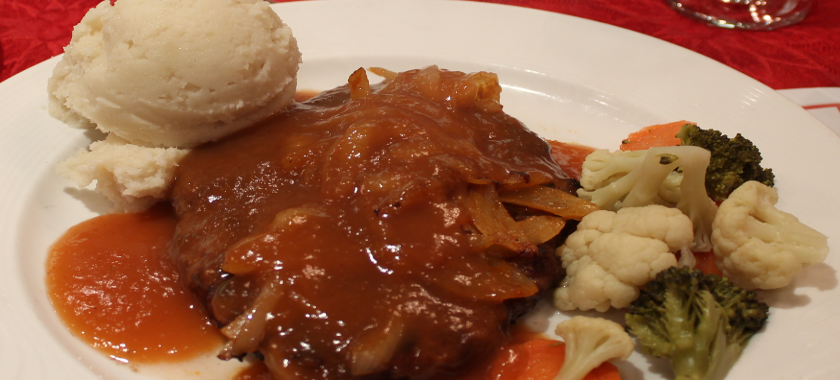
pixel 175 73
pixel 163 76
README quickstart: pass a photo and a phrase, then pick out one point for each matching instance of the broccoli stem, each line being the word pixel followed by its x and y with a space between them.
pixel 697 353
pixel 724 360
pixel 699 322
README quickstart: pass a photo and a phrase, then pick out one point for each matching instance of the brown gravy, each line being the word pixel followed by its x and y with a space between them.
pixel 338 238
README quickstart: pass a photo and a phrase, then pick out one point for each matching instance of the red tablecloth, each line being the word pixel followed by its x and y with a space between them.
pixel 803 55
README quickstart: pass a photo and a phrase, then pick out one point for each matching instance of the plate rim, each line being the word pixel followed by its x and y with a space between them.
pixel 757 93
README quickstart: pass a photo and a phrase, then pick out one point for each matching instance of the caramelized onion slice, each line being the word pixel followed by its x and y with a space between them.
pixel 232 297
pixel 480 181
pixel 541 228
pixel 488 91
pixel 359 85
pixel 281 367
pixel 548 199
pixel 521 180
pixel 374 348
pixel 248 329
pixel 493 221
pixel 485 280
pixel 250 254
pixel 385 73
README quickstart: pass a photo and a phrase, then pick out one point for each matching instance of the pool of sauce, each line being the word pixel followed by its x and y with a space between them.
pixel 110 281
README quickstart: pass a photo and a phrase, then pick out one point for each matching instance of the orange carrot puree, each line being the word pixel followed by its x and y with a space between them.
pixel 570 156
pixel 111 283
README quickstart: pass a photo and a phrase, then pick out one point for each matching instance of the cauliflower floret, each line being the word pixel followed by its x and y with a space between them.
pixel 612 254
pixel 590 342
pixel 641 178
pixel 600 168
pixel 759 247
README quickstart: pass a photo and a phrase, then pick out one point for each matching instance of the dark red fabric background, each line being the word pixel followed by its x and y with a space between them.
pixel 803 55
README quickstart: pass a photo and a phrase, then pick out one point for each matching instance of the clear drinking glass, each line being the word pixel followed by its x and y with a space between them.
pixel 744 14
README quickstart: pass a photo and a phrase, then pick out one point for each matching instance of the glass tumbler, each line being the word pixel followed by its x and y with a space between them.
pixel 744 14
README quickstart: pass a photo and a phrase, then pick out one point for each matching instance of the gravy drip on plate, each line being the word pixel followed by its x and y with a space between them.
pixel 338 238
pixel 111 282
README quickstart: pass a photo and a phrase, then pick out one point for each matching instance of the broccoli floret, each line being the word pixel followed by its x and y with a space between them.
pixel 699 322
pixel 734 161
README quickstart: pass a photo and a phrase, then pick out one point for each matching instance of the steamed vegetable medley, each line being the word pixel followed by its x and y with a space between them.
pixel 676 196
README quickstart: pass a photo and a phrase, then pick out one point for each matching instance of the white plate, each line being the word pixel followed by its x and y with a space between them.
pixel 567 78
pixel 822 102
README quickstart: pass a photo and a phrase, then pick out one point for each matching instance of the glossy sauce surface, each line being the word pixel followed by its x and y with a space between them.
pixel 339 237
pixel 110 281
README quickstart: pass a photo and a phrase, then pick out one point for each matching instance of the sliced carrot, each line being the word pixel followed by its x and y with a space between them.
pixel 606 371
pixel 570 157
pixel 654 136
pixel 706 263
pixel 540 359
pixel 533 360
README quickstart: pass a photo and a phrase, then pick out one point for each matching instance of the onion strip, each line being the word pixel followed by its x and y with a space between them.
pixel 371 352
pixel 359 85
pixel 542 228
pixel 493 221
pixel 548 199
pixel 248 329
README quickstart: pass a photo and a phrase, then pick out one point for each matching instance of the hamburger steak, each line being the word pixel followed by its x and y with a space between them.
pixel 378 232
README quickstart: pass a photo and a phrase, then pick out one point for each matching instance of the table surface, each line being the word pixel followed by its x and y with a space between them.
pixel 803 55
